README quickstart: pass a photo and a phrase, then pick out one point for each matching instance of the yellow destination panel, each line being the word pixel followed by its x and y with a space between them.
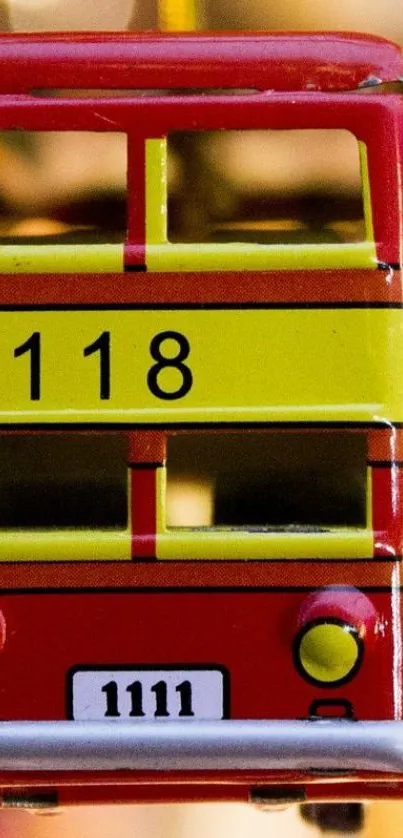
pixel 159 366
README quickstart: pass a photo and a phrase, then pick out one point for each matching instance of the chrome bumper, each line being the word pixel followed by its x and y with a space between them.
pixel 320 745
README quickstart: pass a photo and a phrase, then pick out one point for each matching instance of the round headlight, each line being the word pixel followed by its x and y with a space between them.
pixel 328 651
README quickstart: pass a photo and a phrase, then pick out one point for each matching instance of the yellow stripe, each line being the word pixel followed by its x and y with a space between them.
pixel 162 256
pixel 64 545
pixel 240 545
pixel 366 193
pixel 156 191
pixel 61 258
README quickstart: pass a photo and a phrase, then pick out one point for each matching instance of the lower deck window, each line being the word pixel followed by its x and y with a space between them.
pixel 59 481
pixel 275 481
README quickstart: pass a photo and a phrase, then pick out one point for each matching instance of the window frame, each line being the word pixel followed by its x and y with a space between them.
pixel 371 120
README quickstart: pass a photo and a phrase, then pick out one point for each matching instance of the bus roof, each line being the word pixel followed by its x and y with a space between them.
pixel 278 61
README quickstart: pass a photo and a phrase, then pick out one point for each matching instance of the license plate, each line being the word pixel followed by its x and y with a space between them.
pixel 147 693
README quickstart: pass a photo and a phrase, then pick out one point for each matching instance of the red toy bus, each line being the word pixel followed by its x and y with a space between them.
pixel 252 649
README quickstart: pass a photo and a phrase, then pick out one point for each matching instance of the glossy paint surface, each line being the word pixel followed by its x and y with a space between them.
pixel 283 61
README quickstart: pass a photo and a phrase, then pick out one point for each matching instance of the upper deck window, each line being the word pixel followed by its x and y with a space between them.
pixel 266 187
pixel 62 187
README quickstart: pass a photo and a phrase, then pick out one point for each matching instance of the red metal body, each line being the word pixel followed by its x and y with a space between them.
pixel 259 60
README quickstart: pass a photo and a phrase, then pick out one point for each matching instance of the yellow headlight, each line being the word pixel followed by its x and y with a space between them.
pixel 328 652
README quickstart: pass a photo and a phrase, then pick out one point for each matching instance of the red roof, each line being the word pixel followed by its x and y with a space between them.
pixel 267 61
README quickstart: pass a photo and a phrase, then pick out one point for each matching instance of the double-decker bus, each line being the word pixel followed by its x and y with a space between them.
pixel 253 647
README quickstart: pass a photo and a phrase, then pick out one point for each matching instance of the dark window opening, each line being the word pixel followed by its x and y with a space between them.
pixel 265 187
pixel 63 481
pixel 274 481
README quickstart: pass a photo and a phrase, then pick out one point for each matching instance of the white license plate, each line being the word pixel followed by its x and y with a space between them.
pixel 147 693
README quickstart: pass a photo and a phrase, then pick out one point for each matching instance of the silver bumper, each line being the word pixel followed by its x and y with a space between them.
pixel 328 745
